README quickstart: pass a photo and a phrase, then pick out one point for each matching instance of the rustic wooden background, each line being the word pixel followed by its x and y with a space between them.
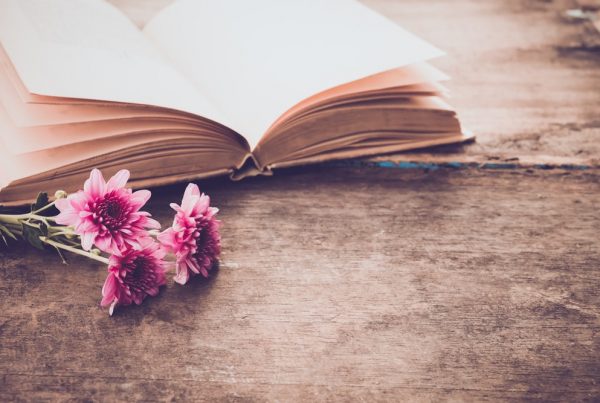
pixel 368 283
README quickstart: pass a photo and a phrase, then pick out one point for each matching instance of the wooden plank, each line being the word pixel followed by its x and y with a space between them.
pixel 366 284
pixel 525 78
pixel 350 284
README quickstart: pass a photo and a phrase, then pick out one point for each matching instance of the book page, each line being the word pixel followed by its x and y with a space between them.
pixel 87 49
pixel 30 114
pixel 256 59
pixel 20 140
pixel 418 73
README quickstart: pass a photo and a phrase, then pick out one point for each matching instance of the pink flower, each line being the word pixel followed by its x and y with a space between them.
pixel 133 275
pixel 107 214
pixel 194 236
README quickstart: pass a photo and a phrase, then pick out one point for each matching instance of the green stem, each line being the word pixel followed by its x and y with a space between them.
pixel 17 218
pixel 46 207
pixel 9 219
pixel 59 232
pixel 74 250
pixel 15 222
pixel 41 217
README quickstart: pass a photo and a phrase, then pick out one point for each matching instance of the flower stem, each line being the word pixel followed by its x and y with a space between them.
pixel 40 217
pixel 9 219
pixel 60 232
pixel 17 218
pixel 46 207
pixel 74 250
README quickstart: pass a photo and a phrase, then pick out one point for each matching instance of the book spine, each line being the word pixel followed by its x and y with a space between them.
pixel 248 167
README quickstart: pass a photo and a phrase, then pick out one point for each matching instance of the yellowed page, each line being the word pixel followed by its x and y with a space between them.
pixel 28 114
pixel 256 59
pixel 418 73
pixel 20 140
pixel 59 161
pixel 88 49
pixel 15 167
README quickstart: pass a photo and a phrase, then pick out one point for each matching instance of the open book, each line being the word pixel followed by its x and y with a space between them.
pixel 206 88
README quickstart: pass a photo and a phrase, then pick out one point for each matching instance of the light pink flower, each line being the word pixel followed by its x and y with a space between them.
pixel 194 236
pixel 133 275
pixel 107 214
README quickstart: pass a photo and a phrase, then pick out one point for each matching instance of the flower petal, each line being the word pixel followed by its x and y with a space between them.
pixel 139 198
pixel 191 190
pixel 87 240
pixel 95 186
pixel 188 203
pixel 202 204
pixel 109 290
pixel 119 180
pixel 103 243
pixel 62 205
pixel 67 218
pixel 168 239
pixel 111 310
pixel 182 276
pixel 151 223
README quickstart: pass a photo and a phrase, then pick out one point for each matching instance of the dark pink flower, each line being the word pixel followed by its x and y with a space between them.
pixel 194 236
pixel 134 274
pixel 107 214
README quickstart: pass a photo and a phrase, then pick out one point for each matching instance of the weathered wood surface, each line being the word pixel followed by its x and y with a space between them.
pixel 366 284
pixel 525 78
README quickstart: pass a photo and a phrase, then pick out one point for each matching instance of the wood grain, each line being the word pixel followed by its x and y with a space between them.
pixel 352 284
pixel 357 284
pixel 525 78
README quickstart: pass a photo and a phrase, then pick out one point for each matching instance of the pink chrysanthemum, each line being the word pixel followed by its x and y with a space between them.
pixel 107 214
pixel 133 275
pixel 194 236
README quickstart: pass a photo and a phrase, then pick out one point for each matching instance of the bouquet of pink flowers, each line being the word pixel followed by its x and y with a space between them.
pixel 104 222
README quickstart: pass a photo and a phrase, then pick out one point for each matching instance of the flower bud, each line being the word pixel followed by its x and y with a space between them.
pixel 95 252
pixel 60 194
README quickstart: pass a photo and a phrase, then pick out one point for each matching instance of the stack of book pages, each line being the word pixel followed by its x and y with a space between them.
pixel 207 88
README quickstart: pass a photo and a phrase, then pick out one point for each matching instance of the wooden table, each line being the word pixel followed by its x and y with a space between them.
pixel 473 276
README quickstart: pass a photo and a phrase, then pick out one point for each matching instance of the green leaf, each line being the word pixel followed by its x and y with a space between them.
pixel 6 231
pixel 43 228
pixel 41 201
pixel 32 235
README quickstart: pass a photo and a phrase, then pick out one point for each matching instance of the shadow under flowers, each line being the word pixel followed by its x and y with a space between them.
pixel 174 303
